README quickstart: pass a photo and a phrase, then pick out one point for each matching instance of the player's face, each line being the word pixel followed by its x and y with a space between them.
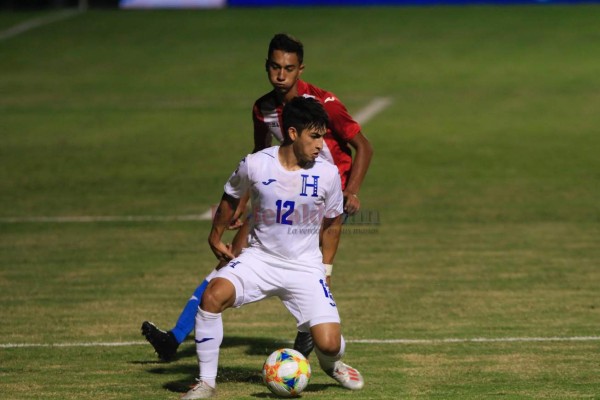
pixel 309 144
pixel 284 70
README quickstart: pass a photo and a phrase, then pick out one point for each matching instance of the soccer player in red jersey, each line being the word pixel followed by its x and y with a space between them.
pixel 284 66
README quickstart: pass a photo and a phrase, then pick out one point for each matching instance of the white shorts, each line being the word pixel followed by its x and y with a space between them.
pixel 303 291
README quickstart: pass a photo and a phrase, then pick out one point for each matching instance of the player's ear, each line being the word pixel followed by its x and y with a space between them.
pixel 300 69
pixel 292 133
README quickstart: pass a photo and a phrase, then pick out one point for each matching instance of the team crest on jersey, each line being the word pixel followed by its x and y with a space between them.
pixel 310 185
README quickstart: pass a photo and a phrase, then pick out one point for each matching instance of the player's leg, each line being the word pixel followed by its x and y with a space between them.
pixel 221 293
pixel 309 299
pixel 166 343
pixel 328 338
pixel 187 318
pixel 329 349
pixel 304 342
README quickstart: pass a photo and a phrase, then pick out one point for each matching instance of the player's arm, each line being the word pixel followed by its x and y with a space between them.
pixel 237 221
pixel 363 152
pixel 345 128
pixel 223 217
pixel 330 240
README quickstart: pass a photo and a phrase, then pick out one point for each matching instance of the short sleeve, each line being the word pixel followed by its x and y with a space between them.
pixel 239 181
pixel 342 125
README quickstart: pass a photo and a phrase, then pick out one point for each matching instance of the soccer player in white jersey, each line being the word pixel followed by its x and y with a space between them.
pixel 284 66
pixel 294 192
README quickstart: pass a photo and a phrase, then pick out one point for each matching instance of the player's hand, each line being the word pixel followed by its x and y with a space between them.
pixel 351 203
pixel 235 224
pixel 222 251
pixel 238 218
pixel 328 281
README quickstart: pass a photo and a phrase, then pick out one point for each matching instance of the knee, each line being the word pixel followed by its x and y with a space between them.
pixel 210 302
pixel 330 346
pixel 217 297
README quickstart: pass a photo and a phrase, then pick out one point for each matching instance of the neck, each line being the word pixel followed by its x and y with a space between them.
pixel 288 159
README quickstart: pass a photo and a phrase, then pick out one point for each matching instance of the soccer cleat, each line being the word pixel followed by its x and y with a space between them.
pixel 304 343
pixel 200 390
pixel 164 343
pixel 347 376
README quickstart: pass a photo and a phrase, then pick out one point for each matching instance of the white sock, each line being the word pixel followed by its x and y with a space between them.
pixel 326 362
pixel 209 335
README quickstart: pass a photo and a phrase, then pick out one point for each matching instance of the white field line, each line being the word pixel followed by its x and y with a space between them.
pixel 377 105
pixel 358 341
pixel 100 218
pixel 478 340
pixel 82 344
pixel 36 23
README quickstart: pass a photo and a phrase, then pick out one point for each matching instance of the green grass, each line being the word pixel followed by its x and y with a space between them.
pixel 485 178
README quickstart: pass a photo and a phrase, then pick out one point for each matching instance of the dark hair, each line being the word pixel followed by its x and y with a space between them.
pixel 287 43
pixel 302 113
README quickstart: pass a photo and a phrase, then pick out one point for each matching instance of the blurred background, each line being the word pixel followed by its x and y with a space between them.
pixel 82 4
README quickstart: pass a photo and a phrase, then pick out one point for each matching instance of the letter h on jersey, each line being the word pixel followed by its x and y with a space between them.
pixel 314 185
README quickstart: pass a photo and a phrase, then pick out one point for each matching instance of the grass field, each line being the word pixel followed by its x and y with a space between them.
pixel 486 180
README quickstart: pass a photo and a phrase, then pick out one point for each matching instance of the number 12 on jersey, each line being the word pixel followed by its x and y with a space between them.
pixel 284 210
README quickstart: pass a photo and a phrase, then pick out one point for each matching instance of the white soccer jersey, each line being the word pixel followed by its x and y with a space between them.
pixel 287 206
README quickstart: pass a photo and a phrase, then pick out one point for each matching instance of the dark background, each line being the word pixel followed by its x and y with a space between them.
pixel 50 4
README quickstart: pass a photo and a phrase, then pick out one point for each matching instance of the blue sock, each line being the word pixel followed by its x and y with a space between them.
pixel 187 318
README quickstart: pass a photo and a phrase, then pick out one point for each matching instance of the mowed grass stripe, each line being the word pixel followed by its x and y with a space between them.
pixel 364 115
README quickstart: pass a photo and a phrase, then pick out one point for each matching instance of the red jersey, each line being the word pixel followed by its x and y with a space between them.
pixel 341 128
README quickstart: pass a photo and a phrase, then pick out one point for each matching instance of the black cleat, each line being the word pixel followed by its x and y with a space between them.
pixel 164 343
pixel 304 343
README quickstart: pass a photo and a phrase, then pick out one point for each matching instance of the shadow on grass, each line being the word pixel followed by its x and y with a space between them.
pixel 255 346
pixel 228 374
pixel 310 388
pixel 241 375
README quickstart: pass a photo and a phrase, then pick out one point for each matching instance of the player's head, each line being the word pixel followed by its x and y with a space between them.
pixel 284 63
pixel 287 44
pixel 304 125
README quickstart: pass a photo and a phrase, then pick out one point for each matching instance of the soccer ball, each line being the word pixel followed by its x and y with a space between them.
pixel 286 372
